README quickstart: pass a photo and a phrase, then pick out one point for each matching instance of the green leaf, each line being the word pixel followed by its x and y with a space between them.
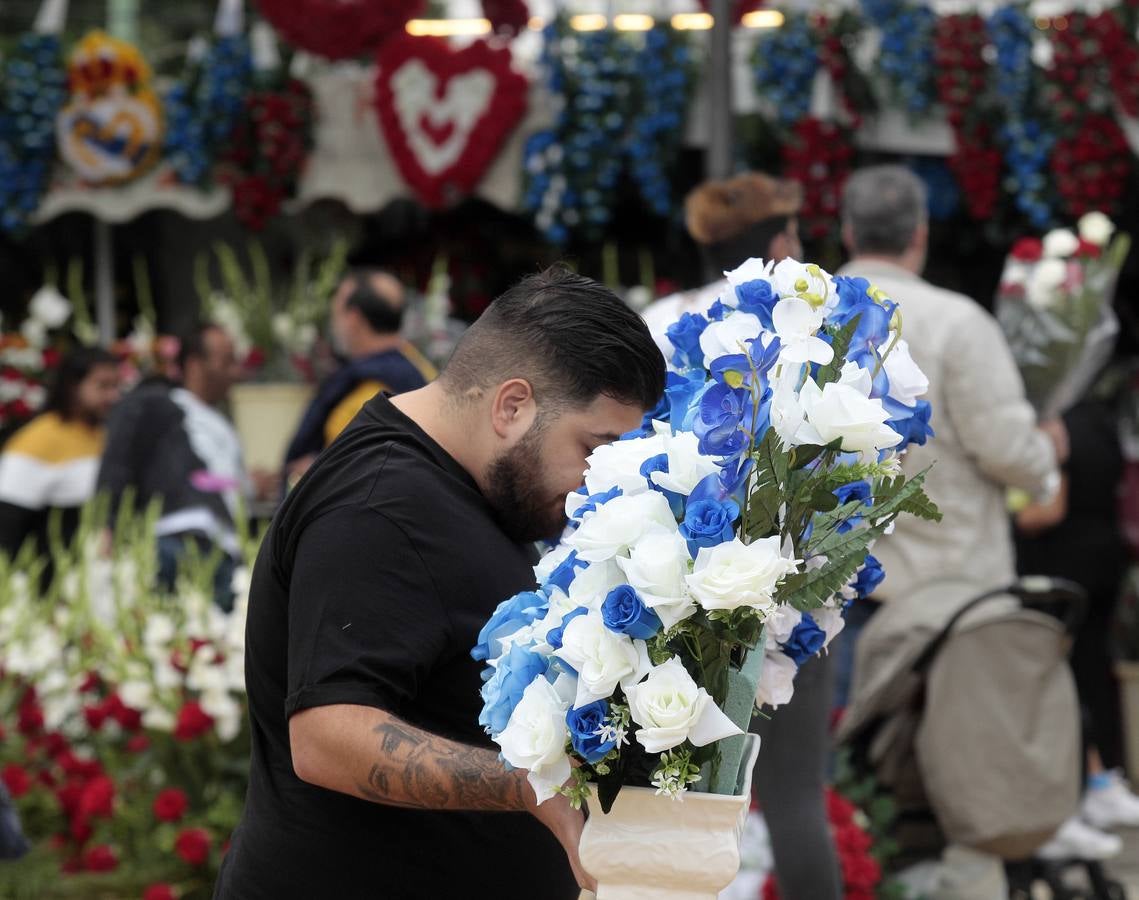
pixel 805 454
pixel 772 468
pixel 894 496
pixel 827 522
pixel 840 343
pixel 823 501
pixel 845 553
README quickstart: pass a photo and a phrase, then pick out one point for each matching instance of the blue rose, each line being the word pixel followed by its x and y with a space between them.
pixel 724 421
pixel 805 641
pixel 708 523
pixel 554 638
pixel 659 413
pixel 911 422
pixel 565 572
pixel 717 311
pixel 583 724
pixel 517 612
pixel 624 612
pixel 659 463
pixel 684 334
pixel 758 298
pixel 847 493
pixel 512 675
pixel 684 393
pixel 869 577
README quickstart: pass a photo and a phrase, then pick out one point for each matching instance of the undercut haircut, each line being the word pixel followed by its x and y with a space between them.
pixel 569 336
pixel 883 207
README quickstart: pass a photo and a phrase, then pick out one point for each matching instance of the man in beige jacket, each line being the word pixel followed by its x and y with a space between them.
pixel 987 439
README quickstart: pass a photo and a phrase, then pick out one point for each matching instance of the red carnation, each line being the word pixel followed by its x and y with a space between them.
pixel 69 796
pixel 100 858
pixel 193 721
pixel 159 891
pixel 98 797
pixel 81 829
pixel 16 779
pixel 90 683
pixel 138 743
pixel 1027 249
pixel 193 845
pixel 170 805
pixel 95 716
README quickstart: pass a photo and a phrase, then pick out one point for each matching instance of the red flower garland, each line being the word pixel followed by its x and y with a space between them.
pixel 441 183
pixel 1091 166
pixel 818 156
pixel 1120 52
pixel 339 29
pixel 268 150
pixel 959 42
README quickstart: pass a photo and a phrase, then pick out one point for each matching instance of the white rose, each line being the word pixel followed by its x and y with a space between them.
pixel 788 416
pixel 782 621
pixel 842 411
pixel 729 335
pixel 830 620
pixel 535 738
pixel 687 466
pixel 602 658
pixel 754 269
pixel 619 524
pixel 1059 243
pixel 797 323
pixel 907 382
pixel 671 708
pixel 735 574
pixel 619 465
pixel 1044 283
pixel 591 585
pixel 656 567
pixel 776 680
pixel 551 561
pixel 1095 228
pixel 49 307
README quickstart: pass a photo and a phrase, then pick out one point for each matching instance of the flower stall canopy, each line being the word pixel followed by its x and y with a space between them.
pixel 460 123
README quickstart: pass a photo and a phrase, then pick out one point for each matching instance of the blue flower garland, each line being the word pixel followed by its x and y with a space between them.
pixel 663 69
pixel 202 110
pixel 35 89
pixel 905 58
pixel 1028 144
pixel 784 63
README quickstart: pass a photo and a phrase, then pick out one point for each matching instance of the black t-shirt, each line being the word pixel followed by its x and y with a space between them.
pixel 371 587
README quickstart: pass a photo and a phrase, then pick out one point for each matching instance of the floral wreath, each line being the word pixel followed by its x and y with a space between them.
pixel 346 28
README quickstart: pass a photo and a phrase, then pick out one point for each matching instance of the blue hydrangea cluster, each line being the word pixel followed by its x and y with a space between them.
pixel 664 76
pixel 202 110
pixel 34 90
pixel 571 168
pixel 906 55
pixel 784 63
pixel 1027 143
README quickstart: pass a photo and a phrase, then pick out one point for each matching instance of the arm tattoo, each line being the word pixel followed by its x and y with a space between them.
pixel 419 770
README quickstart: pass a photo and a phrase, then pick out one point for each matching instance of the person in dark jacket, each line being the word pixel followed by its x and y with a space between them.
pixel 169 442
pixel 48 467
pixel 367 312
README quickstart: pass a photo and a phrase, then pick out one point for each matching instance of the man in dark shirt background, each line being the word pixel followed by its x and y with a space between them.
pixel 370 776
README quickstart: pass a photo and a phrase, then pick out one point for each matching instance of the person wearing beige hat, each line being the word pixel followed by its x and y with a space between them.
pixel 748 215
pixel 755 215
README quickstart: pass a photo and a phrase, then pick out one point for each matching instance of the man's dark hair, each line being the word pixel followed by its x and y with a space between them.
pixel 192 343
pixel 569 336
pixel 382 313
pixel 73 368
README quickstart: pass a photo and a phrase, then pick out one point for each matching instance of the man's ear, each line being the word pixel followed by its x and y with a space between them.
pixel 513 409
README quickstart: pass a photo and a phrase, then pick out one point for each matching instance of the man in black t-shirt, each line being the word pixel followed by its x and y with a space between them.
pixel 370 776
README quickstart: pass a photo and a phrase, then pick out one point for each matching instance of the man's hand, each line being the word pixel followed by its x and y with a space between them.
pixel 566 823
pixel 1057 432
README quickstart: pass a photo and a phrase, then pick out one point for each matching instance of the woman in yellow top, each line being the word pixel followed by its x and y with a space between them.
pixel 367 312
pixel 51 463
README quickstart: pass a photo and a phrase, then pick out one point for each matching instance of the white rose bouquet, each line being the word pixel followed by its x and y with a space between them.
pixel 1054 305
pixel 725 534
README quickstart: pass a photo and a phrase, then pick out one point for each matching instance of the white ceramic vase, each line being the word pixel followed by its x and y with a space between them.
pixel 650 847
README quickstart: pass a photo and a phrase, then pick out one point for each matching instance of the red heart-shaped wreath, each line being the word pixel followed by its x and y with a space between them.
pixel 339 29
pixel 446 112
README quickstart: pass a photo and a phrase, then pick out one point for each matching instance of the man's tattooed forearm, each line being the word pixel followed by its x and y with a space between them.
pixel 420 770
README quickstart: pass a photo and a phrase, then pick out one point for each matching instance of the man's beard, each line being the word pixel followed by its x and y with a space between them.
pixel 514 490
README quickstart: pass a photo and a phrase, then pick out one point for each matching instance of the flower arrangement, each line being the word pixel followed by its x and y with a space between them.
pixel 818 155
pixel 784 64
pixel 274 328
pixel 35 88
pixel 905 61
pixel 348 28
pixel 732 523
pixel 1054 304
pixel 123 712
